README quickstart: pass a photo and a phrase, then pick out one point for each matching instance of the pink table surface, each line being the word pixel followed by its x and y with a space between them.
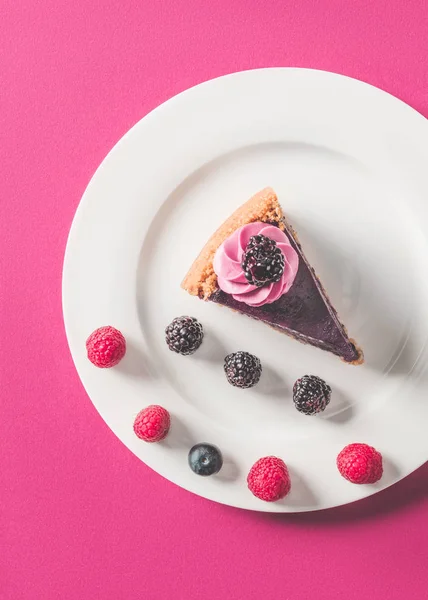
pixel 80 517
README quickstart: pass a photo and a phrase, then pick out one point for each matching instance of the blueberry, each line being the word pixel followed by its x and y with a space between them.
pixel 205 459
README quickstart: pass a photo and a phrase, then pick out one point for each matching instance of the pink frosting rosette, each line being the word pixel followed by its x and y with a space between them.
pixel 230 275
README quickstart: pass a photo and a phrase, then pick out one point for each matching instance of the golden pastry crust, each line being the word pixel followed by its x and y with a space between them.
pixel 264 206
pixel 360 359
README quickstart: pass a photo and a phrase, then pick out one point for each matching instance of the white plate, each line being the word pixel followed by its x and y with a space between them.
pixel 349 164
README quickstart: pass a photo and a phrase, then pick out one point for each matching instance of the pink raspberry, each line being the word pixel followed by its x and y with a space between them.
pixel 360 463
pixel 152 423
pixel 269 479
pixel 106 347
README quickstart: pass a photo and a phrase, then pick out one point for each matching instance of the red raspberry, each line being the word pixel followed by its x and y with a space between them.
pixel 360 463
pixel 106 347
pixel 268 479
pixel 152 423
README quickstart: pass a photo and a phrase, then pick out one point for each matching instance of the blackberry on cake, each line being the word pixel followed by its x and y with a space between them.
pixel 262 262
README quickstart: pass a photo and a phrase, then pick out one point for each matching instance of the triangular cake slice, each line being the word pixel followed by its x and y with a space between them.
pixel 292 301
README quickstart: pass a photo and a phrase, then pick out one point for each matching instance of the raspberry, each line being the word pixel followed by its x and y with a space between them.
pixel 360 463
pixel 184 335
pixel 269 479
pixel 242 369
pixel 311 394
pixel 152 423
pixel 262 262
pixel 106 347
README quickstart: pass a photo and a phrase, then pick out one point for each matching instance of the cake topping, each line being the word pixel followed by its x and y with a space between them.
pixel 254 247
pixel 262 262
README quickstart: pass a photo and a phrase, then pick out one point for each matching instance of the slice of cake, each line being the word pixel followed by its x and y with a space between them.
pixel 255 264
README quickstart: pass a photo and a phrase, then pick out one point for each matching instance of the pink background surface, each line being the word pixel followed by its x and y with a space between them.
pixel 80 517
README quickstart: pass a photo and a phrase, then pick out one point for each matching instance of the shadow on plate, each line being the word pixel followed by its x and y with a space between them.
pixel 411 491
pixel 179 435
pixel 211 349
pixel 229 471
pixel 300 494
pixel 272 383
pixel 134 363
pixel 340 410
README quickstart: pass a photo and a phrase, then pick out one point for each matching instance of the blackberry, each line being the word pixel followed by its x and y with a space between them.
pixel 262 262
pixel 184 335
pixel 205 459
pixel 242 369
pixel 311 394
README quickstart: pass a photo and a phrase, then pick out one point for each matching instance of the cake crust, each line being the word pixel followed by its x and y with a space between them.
pixel 264 206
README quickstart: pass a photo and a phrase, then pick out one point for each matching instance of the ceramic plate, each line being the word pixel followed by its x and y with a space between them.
pixel 349 164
